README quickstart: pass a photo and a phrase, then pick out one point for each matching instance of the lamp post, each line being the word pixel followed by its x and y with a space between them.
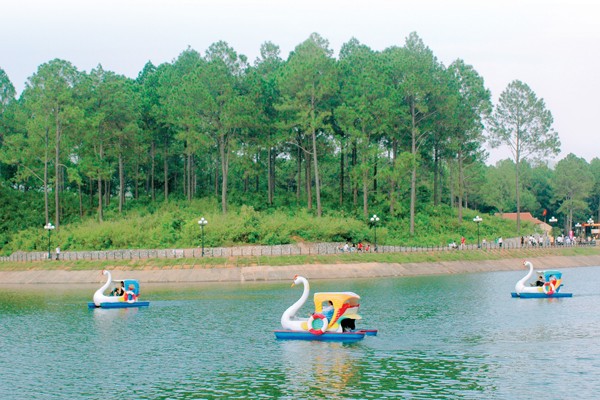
pixel 202 222
pixel 374 220
pixel 553 220
pixel 578 229
pixel 49 227
pixel 477 220
pixel 591 224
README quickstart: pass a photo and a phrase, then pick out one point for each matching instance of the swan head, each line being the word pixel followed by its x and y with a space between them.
pixel 108 275
pixel 298 279
pixel 295 280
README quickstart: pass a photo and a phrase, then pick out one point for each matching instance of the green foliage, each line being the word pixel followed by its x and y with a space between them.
pixel 221 130
pixel 573 184
pixel 19 211
pixel 439 225
pixel 175 225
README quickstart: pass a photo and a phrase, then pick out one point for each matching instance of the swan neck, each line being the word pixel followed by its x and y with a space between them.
pixel 106 284
pixel 293 309
pixel 520 284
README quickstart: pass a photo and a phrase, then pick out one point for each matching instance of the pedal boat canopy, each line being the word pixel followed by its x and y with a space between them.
pixel 345 304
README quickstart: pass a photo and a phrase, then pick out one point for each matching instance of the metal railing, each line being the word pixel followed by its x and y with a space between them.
pixel 255 251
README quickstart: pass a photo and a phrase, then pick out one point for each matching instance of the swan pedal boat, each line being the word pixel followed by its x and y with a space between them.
pixel 550 289
pixel 334 324
pixel 128 300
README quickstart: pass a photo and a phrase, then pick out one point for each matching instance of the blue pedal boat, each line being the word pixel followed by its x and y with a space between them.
pixel 548 285
pixel 129 298
pixel 333 319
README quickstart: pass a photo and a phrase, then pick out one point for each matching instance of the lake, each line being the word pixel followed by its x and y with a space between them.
pixel 440 337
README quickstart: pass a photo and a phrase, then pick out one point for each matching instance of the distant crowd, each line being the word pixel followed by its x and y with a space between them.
pixel 354 247
pixel 545 240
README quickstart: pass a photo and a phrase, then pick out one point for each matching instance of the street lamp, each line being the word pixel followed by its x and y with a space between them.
pixel 477 220
pixel 591 224
pixel 374 220
pixel 202 222
pixel 49 227
pixel 578 229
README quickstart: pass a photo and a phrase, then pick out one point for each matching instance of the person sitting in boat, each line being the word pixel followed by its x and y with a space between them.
pixel 131 295
pixel 348 325
pixel 328 310
pixel 118 290
pixel 540 281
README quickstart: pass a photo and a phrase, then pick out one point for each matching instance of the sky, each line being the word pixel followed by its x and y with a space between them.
pixel 552 45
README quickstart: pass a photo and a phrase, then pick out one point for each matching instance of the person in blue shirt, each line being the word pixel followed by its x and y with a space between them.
pixel 328 310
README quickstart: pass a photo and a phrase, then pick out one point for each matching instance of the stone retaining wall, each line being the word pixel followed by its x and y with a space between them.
pixel 183 274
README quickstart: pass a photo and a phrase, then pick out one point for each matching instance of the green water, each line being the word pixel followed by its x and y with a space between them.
pixel 447 337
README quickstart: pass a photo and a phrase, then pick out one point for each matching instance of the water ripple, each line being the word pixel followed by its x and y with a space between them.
pixel 444 337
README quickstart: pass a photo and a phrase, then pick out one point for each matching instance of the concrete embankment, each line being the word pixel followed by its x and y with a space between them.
pixel 182 274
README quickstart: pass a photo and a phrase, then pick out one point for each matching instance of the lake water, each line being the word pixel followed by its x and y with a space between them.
pixel 443 337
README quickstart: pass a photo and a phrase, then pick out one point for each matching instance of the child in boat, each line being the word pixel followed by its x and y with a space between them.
pixel 130 294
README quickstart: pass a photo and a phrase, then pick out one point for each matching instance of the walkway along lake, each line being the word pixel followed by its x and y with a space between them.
pixel 187 274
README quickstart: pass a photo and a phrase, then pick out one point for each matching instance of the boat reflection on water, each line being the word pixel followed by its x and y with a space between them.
pixel 113 321
pixel 327 368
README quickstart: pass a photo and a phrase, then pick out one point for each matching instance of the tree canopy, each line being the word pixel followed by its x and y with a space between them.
pixel 392 132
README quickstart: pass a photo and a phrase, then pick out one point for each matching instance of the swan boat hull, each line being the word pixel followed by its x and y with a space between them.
pixel 355 336
pixel 369 332
pixel 541 295
pixel 120 304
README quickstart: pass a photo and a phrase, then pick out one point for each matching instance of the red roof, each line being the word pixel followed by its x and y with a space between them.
pixel 525 216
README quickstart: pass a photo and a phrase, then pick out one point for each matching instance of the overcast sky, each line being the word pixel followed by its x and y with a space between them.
pixel 551 45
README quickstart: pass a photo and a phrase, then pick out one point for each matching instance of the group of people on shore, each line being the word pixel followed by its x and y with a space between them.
pixel 352 247
pixel 545 240
pixel 463 241
pixel 533 241
pixel 453 244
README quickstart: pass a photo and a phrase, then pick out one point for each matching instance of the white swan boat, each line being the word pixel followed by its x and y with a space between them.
pixel 336 323
pixel 130 298
pixel 549 286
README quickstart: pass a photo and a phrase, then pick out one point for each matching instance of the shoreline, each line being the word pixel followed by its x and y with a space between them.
pixel 183 274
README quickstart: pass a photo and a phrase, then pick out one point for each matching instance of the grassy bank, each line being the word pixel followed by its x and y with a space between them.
pixel 175 225
pixel 210 262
